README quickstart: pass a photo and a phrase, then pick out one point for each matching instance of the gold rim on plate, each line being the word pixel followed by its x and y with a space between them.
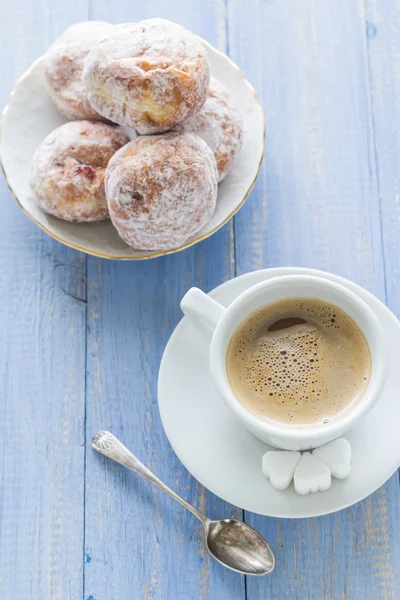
pixel 155 254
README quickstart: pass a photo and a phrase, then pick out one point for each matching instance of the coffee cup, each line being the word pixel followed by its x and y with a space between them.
pixel 221 323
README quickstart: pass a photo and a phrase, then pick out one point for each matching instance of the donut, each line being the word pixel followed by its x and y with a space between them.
pixel 149 75
pixel 63 68
pixel 161 190
pixel 67 175
pixel 220 125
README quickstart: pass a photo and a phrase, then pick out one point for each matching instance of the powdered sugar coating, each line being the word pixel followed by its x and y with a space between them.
pixel 220 124
pixel 161 190
pixel 68 168
pixel 63 68
pixel 149 75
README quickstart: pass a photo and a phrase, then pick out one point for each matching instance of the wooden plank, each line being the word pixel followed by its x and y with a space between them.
pixel 139 544
pixel 42 366
pixel 316 204
pixel 383 47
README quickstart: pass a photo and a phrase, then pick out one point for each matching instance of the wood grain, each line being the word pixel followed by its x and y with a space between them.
pixel 42 366
pixel 142 545
pixel 383 47
pixel 317 205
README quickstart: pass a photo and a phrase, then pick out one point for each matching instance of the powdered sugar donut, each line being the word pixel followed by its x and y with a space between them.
pixel 68 168
pixel 149 75
pixel 219 123
pixel 63 68
pixel 161 190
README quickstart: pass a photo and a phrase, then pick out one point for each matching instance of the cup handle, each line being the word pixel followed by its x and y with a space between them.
pixel 203 311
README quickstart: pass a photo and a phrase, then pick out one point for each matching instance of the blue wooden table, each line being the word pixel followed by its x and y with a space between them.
pixel 82 338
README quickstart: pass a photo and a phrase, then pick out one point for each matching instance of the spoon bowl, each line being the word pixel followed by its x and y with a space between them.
pixel 239 547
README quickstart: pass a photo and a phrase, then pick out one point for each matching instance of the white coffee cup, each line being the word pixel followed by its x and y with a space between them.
pixel 207 314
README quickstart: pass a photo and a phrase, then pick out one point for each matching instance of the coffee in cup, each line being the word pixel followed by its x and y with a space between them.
pixel 298 361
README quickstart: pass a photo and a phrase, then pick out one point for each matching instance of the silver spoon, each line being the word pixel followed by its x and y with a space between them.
pixel 232 543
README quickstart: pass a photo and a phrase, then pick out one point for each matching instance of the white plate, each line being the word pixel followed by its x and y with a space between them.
pixel 30 116
pixel 226 458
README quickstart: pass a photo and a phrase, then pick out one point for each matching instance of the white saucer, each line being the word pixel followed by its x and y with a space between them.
pixel 30 116
pixel 226 458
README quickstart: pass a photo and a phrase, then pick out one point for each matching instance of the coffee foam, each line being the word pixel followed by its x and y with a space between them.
pixel 307 372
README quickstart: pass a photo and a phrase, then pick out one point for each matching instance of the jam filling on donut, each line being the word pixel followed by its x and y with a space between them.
pixel 87 171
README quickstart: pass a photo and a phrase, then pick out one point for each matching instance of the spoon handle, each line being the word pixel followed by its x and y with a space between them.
pixel 106 443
